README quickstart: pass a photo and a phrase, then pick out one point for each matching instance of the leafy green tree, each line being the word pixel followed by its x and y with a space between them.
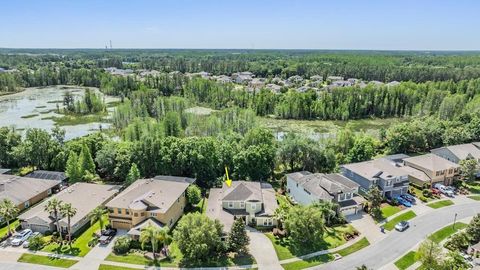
pixel 98 214
pixel 36 243
pixel 305 226
pixel 54 207
pixel 9 139
pixel 455 261
pixel 68 211
pixel 458 241
pixel 87 166
pixel 194 194
pixel 329 211
pixel 375 199
pixel 473 229
pixel 72 169
pixel 172 125
pixel 363 148
pixel 8 211
pixel 429 254
pixel 238 239
pixel 133 174
pixel 199 239
pixel 122 244
pixel 154 236
pixel 469 169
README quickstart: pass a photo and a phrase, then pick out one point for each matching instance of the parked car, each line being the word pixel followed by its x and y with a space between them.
pixel 27 242
pixel 20 237
pixel 435 191
pixel 107 236
pixel 402 226
pixel 408 197
pixel 403 202
pixel 452 189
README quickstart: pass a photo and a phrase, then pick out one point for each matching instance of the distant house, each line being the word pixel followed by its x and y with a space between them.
pixel 435 168
pixel 48 175
pixel 341 84
pixel 84 197
pixel 334 78
pixel 253 202
pixel 119 71
pixel 295 79
pixel 316 78
pixel 376 83
pixel 25 191
pixel 158 201
pixel 257 83
pixel 393 83
pixel 243 77
pixel 223 79
pixel 306 188
pixel 274 88
pixel 457 153
pixel 383 173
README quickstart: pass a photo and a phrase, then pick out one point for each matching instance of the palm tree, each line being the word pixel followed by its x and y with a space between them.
pixel 53 207
pixel 8 211
pixel 328 209
pixel 154 236
pixel 97 215
pixel 68 211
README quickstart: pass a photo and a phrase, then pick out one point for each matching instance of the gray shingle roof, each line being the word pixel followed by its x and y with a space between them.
pixel 48 175
pixel 323 186
pixel 21 189
pixel 431 162
pixel 463 151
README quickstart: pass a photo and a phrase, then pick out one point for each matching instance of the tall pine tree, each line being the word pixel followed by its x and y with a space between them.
pixel 72 169
pixel 87 166
pixel 238 239
pixel 133 174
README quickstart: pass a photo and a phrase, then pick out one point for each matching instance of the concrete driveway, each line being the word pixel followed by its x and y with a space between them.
pixel 262 250
pixel 396 243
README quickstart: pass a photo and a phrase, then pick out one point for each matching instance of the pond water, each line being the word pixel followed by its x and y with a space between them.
pixel 34 108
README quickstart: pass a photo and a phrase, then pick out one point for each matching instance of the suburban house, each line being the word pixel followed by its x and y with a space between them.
pixel 158 201
pixel 435 168
pixel 254 202
pixel 456 153
pixel 48 175
pixel 84 197
pixel 390 179
pixel 306 188
pixel 25 191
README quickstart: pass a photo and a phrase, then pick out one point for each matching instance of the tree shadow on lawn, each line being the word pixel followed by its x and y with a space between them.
pixel 229 260
pixel 66 250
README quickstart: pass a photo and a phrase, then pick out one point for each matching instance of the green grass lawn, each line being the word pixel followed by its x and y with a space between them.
pixel 405 216
pixel 333 237
pixel 440 204
pixel 113 267
pixel 13 225
pixel 406 261
pixel 473 187
pixel 44 260
pixel 474 197
pixel 389 210
pixel 317 260
pixel 79 247
pixel 446 232
pixel 138 258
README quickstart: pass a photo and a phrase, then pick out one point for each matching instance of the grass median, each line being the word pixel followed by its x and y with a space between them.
pixel 46 260
pixel 440 204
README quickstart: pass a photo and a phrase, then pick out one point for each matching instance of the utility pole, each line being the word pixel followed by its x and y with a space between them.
pixel 110 44
pixel 454 220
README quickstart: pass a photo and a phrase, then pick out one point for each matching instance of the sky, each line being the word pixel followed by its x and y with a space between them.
pixel 244 24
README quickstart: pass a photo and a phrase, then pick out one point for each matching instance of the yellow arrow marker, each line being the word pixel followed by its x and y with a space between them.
pixel 228 181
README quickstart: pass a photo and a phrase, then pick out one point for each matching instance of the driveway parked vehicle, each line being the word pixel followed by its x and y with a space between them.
pixel 107 236
pixel 408 197
pixel 20 237
pixel 402 226
pixel 27 242
pixel 403 202
pixel 435 191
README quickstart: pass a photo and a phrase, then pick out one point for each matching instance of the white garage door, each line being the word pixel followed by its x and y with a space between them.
pixel 349 211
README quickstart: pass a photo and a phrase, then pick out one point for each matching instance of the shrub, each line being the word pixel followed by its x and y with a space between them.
pixel 427 193
pixel 36 243
pixel 423 199
pixel 93 242
pixel 458 241
pixel 122 245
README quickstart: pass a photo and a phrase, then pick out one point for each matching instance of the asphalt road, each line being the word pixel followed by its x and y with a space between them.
pixel 398 243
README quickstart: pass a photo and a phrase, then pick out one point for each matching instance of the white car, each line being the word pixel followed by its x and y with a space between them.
pixel 27 242
pixel 20 237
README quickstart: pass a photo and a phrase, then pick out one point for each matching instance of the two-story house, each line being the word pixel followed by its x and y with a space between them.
pixel 254 202
pixel 383 173
pixel 306 188
pixel 436 169
pixel 158 201
pixel 457 153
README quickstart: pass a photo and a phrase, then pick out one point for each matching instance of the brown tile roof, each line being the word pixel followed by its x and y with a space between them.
pixel 431 162
pixel 21 189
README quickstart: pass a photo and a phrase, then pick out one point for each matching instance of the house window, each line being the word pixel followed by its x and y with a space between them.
pixel 27 204
pixel 267 222
pixel 49 191
pixel 153 214
pixel 119 210
pixel 127 212
pixel 437 174
pixel 348 196
pixel 254 206
pixel 135 214
pixel 450 171
pixel 178 200
pixel 111 210
pixel 242 204
pixel 142 214
pixel 341 197
pixel 230 204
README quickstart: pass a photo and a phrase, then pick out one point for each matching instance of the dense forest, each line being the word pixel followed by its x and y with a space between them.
pixel 159 127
